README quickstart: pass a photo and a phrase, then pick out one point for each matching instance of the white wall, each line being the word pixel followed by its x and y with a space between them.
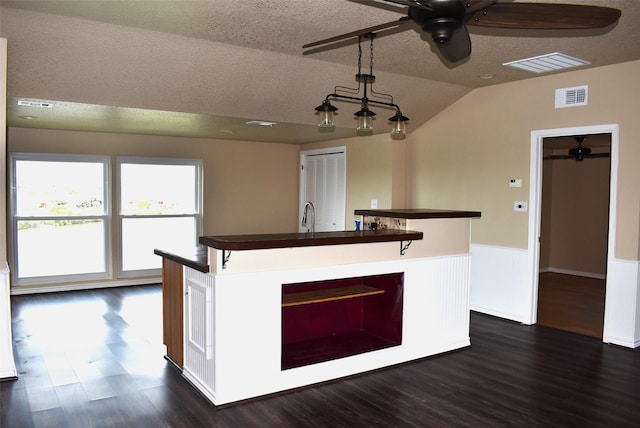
pixel 7 363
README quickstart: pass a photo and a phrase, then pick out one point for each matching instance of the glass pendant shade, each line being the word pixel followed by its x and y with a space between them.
pixel 365 120
pixel 398 125
pixel 327 119
pixel 326 113
pixel 398 129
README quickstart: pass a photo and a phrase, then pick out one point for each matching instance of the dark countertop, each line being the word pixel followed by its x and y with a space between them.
pixel 197 259
pixel 419 213
pixel 287 240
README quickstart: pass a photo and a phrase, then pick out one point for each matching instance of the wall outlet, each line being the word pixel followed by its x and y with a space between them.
pixel 520 206
pixel 374 203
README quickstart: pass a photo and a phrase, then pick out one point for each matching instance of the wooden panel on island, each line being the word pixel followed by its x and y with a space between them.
pixel 327 320
pixel 172 310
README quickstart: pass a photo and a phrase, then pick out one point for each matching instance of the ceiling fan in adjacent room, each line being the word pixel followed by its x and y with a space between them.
pixel 446 21
pixel 579 153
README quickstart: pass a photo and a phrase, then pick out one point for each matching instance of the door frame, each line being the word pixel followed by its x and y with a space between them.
pixel 303 177
pixel 535 204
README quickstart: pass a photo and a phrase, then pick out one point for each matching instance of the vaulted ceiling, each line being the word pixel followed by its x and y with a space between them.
pixel 205 68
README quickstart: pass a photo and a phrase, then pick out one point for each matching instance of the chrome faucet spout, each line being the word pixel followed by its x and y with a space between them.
pixel 309 206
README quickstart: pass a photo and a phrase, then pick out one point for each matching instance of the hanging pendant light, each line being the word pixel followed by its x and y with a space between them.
pixel 398 125
pixel 364 116
pixel 326 112
pixel 365 119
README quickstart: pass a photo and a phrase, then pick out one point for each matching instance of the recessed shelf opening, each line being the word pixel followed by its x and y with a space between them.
pixel 327 320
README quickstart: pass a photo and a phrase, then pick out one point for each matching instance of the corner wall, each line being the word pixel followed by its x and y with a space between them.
pixel 575 204
pixel 248 187
pixel 375 170
pixel 464 157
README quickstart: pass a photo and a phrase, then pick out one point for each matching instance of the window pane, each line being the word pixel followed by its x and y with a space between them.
pixel 60 247
pixel 52 189
pixel 140 236
pixel 157 189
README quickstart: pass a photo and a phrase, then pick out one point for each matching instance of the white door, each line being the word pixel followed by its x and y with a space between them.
pixel 323 183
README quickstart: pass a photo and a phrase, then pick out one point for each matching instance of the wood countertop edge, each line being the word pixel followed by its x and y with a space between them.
pixel 414 214
pixel 295 240
pixel 197 260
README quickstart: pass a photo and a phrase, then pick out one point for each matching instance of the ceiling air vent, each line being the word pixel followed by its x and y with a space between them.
pixel 546 63
pixel 30 103
pixel 572 97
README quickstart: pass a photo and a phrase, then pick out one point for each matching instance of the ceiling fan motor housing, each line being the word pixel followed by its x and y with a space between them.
pixel 440 22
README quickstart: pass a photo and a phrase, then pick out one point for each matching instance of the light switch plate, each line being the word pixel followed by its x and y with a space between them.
pixel 374 203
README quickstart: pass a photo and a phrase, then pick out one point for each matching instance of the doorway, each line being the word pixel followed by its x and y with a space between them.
pixel 613 293
pixel 574 232
pixel 323 182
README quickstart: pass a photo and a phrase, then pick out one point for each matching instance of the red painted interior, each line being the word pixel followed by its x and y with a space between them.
pixel 324 331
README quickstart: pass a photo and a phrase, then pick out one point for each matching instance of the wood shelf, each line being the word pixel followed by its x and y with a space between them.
pixel 329 294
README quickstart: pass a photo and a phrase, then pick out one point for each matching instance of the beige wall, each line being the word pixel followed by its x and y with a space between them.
pixel 575 214
pixel 248 187
pixel 3 145
pixel 464 157
pixel 375 170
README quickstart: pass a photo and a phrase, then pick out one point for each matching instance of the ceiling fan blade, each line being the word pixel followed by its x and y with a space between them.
pixel 544 16
pixel 417 3
pixel 403 20
pixel 599 155
pixel 474 6
pixel 470 6
pixel 458 47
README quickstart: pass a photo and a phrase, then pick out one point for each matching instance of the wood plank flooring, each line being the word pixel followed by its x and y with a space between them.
pixel 571 303
pixel 95 359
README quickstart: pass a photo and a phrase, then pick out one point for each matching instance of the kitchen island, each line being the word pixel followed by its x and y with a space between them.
pixel 269 313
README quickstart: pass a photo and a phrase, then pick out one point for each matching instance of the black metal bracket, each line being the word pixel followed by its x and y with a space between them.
pixel 404 247
pixel 225 258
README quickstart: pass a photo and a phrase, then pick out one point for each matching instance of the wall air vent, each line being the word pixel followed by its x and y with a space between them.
pixel 31 103
pixel 572 97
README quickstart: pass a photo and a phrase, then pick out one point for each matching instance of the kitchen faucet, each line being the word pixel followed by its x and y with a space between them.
pixel 303 223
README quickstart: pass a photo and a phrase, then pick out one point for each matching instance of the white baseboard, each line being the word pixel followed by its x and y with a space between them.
pixel 18 290
pixel 573 272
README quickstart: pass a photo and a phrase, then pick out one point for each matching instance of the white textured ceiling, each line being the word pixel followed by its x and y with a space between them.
pixel 204 68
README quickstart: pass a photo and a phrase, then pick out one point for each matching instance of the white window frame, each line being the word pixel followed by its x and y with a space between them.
pixel 14 218
pixel 120 217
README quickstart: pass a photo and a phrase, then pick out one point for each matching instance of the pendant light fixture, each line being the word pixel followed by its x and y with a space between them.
pixel 364 116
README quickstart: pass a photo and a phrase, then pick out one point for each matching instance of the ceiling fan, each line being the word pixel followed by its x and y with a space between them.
pixel 579 153
pixel 447 20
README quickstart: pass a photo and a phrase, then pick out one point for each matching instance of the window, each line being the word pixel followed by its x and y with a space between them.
pixel 159 207
pixel 62 223
pixel 59 214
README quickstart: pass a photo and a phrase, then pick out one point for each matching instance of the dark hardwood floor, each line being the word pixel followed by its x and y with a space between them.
pixel 571 303
pixel 95 359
